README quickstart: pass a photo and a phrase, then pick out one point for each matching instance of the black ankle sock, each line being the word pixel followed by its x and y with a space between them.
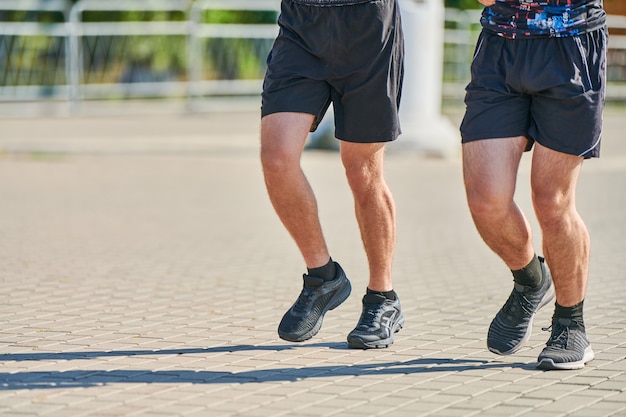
pixel 326 272
pixel 390 295
pixel 574 312
pixel 531 275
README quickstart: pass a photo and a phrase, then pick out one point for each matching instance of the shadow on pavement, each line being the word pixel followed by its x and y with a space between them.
pixel 91 378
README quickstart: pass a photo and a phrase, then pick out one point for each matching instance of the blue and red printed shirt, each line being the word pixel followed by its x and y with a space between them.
pixel 543 18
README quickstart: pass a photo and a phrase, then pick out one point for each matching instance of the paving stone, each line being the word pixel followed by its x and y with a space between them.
pixel 138 282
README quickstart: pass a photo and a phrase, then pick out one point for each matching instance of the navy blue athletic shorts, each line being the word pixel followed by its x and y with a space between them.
pixel 349 55
pixel 550 90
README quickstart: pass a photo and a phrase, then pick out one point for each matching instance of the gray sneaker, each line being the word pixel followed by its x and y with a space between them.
pixel 379 320
pixel 304 319
pixel 512 326
pixel 567 348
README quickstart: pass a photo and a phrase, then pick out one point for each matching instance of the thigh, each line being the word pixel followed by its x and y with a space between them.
pixel 490 167
pixel 283 135
pixel 355 154
pixel 554 175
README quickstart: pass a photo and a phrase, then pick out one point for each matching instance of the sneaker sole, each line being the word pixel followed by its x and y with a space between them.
pixel 548 296
pixel 378 344
pixel 547 364
pixel 335 302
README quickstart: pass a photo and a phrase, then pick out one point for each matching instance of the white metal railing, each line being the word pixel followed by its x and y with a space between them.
pixel 73 50
pixel 199 31
pixel 78 30
pixel 28 30
pixel 459 41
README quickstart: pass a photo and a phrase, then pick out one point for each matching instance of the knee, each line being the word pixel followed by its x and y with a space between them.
pixel 361 179
pixel 363 165
pixel 276 160
pixel 488 202
pixel 550 207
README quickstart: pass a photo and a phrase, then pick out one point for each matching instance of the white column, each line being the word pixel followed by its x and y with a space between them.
pixel 424 128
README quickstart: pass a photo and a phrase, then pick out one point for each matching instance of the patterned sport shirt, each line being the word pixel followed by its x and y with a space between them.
pixel 543 18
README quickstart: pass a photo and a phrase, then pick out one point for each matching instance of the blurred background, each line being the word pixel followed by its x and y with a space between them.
pixel 57 56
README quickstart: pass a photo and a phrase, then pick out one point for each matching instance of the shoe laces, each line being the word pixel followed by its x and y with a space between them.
pixel 370 314
pixel 306 295
pixel 517 298
pixel 304 299
pixel 560 332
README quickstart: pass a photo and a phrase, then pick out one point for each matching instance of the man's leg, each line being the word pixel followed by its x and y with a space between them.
pixel 283 136
pixel 490 172
pixel 566 247
pixel 376 217
pixel 565 236
pixel 374 207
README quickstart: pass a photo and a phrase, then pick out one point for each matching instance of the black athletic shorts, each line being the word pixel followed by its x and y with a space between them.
pixel 349 55
pixel 550 90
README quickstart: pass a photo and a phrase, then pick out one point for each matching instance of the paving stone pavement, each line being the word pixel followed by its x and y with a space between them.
pixel 143 273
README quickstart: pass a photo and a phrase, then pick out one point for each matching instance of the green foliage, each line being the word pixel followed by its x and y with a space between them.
pixel 463 4
pixel 235 58
pixel 31 16
pixel 237 16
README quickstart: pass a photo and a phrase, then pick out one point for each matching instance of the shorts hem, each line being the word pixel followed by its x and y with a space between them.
pixel 386 140
pixel 489 136
pixel 265 112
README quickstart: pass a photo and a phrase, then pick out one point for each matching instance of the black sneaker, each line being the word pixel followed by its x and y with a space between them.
pixel 512 326
pixel 567 348
pixel 304 319
pixel 380 319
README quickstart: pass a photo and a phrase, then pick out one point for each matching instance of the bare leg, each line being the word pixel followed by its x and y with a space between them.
pixel 374 207
pixel 565 236
pixel 283 136
pixel 490 169
pixel 490 174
